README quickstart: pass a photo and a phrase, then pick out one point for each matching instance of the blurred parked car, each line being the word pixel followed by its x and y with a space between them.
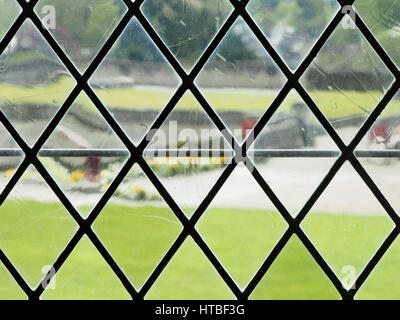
pixel 286 130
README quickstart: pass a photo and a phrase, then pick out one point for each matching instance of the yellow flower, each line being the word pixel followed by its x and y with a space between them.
pixel 8 173
pixel 174 165
pixel 137 190
pixel 76 175
pixel 104 187
pixel 215 162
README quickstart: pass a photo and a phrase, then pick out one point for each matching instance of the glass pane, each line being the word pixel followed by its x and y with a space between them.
pixel 9 289
pixel 382 17
pixel 241 226
pixel 134 81
pixel 347 79
pixel 84 177
pixel 240 80
pixel 187 27
pixel 277 152
pixel 341 222
pixel 85 276
pixel 137 226
pixel 33 82
pixel 81 27
pixel 9 10
pixel 189 276
pixel 35 227
pixel 295 276
pixel 384 138
pixel 188 178
pixel 292 27
pixel 382 283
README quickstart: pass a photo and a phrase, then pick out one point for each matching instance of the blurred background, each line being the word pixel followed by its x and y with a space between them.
pixel 134 81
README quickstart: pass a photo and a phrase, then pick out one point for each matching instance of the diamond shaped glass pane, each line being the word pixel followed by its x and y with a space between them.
pixel 383 138
pixel 137 226
pixel 347 79
pixel 33 82
pixel 9 10
pixel 190 176
pixel 85 276
pixel 240 80
pixel 292 26
pixel 134 81
pixel 295 276
pixel 83 155
pixel 382 283
pixel 189 276
pixel 80 27
pixel 187 27
pixel 341 221
pixel 292 129
pixel 383 18
pixel 35 227
pixel 241 226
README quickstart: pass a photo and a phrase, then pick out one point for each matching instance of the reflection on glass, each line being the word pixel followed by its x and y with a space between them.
pixel 382 283
pixel 240 80
pixel 35 227
pixel 134 81
pixel 137 227
pixel 383 18
pixel 347 225
pixel 293 128
pixel 292 26
pixel 241 226
pixel 85 276
pixel 33 82
pixel 89 155
pixel 81 27
pixel 187 27
pixel 347 79
pixel 189 275
pixel 9 9
pixel 295 275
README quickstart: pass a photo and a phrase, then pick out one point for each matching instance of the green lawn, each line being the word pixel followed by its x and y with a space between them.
pixel 32 235
pixel 333 103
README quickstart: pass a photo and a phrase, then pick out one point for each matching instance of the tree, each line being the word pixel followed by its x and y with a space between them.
pixel 86 21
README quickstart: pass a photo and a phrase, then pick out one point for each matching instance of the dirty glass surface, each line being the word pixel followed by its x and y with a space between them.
pixel 211 149
pixel 292 27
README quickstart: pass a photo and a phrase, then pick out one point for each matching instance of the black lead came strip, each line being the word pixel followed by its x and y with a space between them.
pixel 183 153
pixel 345 153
